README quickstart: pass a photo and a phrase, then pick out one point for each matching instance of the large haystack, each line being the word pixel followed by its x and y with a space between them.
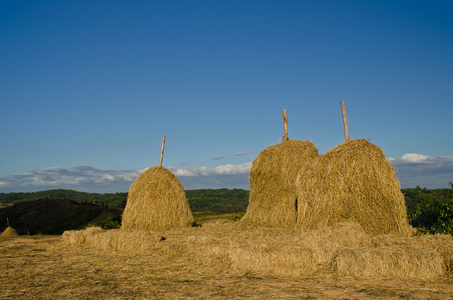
pixel 273 199
pixel 9 232
pixel 156 202
pixel 351 182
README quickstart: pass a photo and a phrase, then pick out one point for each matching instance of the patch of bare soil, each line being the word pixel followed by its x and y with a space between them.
pixel 42 267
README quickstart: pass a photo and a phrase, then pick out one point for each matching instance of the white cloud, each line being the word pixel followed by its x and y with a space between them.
pixel 91 179
pixel 84 178
pixel 418 169
pixel 227 169
pixel 412 158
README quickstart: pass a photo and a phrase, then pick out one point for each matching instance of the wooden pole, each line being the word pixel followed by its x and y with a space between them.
pixel 345 121
pixel 162 151
pixel 7 221
pixel 285 124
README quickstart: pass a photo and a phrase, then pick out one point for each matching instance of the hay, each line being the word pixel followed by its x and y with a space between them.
pixel 9 232
pixel 273 199
pixel 156 202
pixel 352 182
pixel 113 240
pixel 386 263
pixel 277 259
pixel 326 241
pixel 341 250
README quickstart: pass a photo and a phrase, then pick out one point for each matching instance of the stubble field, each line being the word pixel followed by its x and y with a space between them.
pixel 45 267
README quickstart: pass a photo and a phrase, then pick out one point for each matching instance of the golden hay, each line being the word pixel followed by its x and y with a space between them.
pixel 156 202
pixel 113 240
pixel 9 232
pixel 352 182
pixel 341 250
pixel 385 263
pixel 272 200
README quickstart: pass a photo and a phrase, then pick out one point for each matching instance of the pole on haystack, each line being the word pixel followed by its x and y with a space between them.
pixel 345 121
pixel 162 151
pixel 285 124
pixel 7 222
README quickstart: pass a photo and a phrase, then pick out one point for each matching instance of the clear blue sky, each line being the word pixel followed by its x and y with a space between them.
pixel 88 88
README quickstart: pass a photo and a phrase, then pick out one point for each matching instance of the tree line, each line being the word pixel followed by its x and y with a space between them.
pixel 431 210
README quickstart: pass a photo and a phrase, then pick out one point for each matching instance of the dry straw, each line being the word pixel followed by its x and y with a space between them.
pixel 156 202
pixel 273 199
pixel 340 250
pixel 351 182
pixel 113 240
pixel 9 232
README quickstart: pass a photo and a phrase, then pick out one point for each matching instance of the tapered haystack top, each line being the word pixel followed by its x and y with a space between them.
pixel 9 232
pixel 272 201
pixel 351 182
pixel 156 202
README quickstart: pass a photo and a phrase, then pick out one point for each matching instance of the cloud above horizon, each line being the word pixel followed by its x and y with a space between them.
pixel 412 169
pixel 417 169
pixel 229 155
pixel 86 178
pixel 91 179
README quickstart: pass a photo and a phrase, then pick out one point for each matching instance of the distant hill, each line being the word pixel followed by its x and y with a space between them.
pixel 107 199
pixel 203 200
pixel 52 216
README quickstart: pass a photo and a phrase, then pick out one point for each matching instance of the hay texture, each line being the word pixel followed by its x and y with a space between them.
pixel 352 182
pixel 113 240
pixel 156 202
pixel 340 250
pixel 272 201
pixel 9 232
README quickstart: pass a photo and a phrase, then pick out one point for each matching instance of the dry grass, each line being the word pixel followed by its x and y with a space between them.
pixel 156 202
pixel 113 240
pixel 188 265
pixel 9 232
pixel 272 199
pixel 351 182
pixel 43 267
pixel 342 250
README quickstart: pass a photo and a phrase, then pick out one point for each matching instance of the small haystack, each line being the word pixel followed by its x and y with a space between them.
pixel 352 182
pixel 156 202
pixel 9 231
pixel 273 200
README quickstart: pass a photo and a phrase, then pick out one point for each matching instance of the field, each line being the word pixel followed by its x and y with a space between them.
pixel 188 264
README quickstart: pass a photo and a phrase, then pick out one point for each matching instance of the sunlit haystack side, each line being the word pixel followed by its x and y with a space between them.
pixel 9 232
pixel 376 263
pixel 352 182
pixel 341 250
pixel 418 257
pixel 113 240
pixel 272 199
pixel 325 242
pixel 156 202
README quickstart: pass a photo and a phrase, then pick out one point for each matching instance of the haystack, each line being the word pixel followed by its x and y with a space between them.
pixel 156 202
pixel 273 200
pixel 352 182
pixel 9 231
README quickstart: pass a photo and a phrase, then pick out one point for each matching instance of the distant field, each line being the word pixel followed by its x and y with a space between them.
pixel 3 205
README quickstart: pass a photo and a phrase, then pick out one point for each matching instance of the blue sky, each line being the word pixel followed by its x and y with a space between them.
pixel 88 88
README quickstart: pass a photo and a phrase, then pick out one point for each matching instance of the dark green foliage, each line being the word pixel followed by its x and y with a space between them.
pixel 430 210
pixel 109 223
pixel 105 200
pixel 217 201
